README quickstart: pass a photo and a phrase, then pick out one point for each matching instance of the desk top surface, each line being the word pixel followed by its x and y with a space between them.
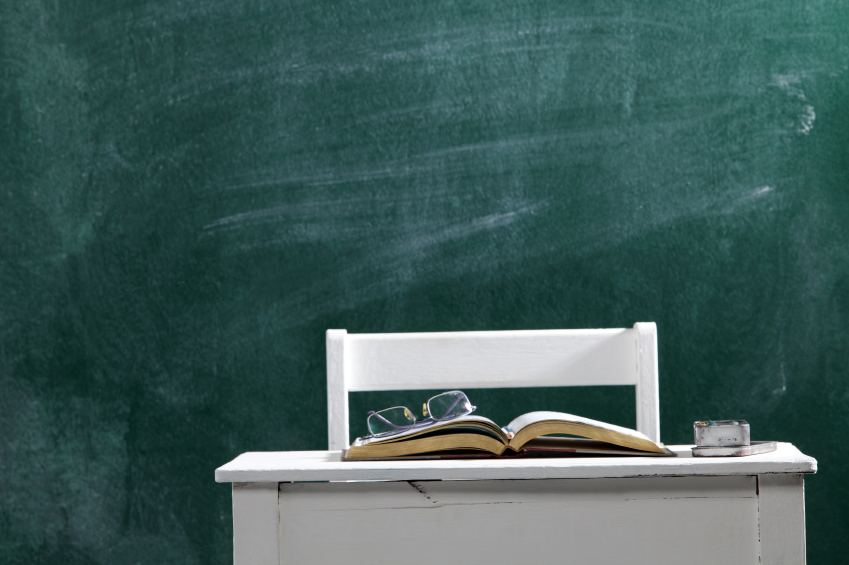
pixel 293 466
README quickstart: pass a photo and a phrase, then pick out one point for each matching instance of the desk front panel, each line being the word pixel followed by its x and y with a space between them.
pixel 651 519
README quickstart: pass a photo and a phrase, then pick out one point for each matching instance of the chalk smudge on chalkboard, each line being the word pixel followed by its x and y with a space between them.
pixel 789 84
pixel 464 230
pixel 728 204
pixel 512 144
pixel 415 237
pixel 322 179
pixel 757 193
pixel 399 264
pixel 594 238
pixel 734 207
pixel 323 209
pixel 807 120
pixel 782 388
pixel 289 212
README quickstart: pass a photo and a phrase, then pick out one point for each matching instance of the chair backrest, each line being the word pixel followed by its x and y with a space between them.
pixel 459 360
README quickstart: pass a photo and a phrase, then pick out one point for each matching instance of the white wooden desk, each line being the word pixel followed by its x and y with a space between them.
pixel 310 507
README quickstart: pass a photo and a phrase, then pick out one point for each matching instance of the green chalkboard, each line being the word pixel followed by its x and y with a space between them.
pixel 193 191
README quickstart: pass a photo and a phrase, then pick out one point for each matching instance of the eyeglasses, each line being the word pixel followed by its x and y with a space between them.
pixel 398 419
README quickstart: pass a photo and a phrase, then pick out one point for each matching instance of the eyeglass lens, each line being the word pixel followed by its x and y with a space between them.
pixel 390 420
pixel 448 405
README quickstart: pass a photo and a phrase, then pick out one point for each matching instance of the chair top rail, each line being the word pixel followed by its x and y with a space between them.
pixel 496 334
pixel 529 358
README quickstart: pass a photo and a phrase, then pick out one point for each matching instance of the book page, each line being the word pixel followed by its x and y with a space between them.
pixel 534 417
pixel 557 445
pixel 535 424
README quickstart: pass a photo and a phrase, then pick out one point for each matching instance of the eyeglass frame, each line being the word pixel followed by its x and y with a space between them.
pixel 418 423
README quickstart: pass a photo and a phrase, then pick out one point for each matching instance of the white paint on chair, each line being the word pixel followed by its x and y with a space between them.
pixel 337 390
pixel 648 394
pixel 491 359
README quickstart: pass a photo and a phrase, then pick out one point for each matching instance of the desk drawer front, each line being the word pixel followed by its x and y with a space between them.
pixel 652 519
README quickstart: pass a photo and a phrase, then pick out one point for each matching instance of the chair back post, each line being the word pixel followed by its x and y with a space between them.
pixel 337 391
pixel 648 395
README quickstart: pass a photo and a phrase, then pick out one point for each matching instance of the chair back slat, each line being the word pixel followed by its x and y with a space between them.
pixel 491 359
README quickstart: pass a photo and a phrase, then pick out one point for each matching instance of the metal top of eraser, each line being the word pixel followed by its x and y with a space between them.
pixel 721 433
pixel 721 423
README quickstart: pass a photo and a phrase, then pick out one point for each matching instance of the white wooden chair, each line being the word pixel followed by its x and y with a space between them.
pixel 468 360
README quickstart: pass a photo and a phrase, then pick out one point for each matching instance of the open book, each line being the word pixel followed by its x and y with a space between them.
pixel 470 435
